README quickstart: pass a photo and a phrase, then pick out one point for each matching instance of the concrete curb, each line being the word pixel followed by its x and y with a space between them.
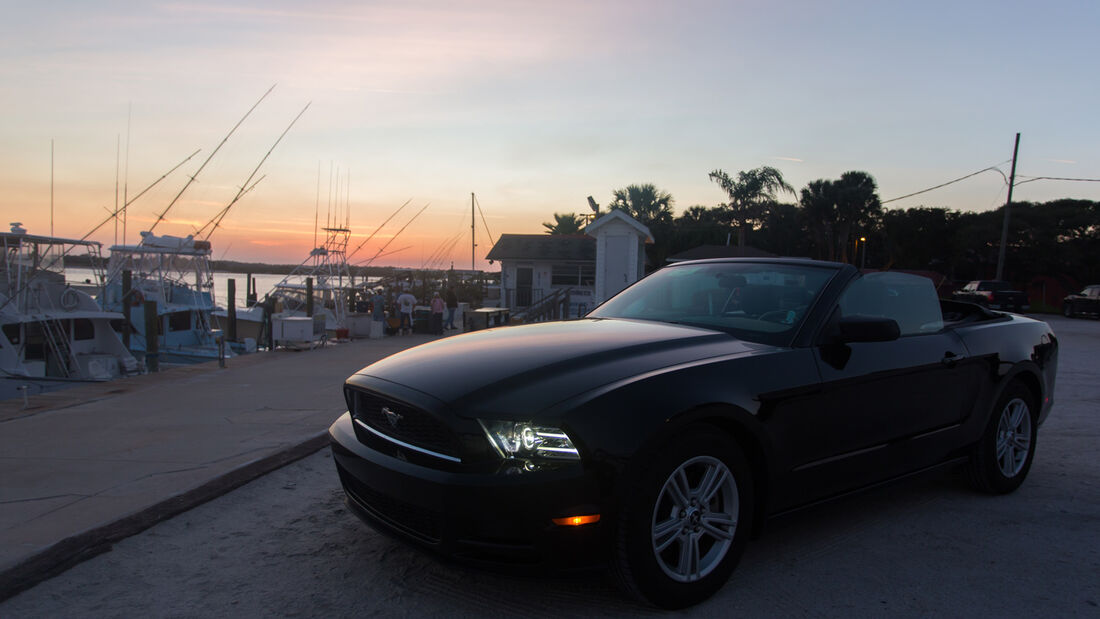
pixel 83 546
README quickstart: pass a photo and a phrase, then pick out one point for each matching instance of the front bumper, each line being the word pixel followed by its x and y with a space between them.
pixel 502 517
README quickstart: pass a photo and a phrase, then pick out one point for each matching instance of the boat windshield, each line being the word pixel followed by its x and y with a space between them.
pixel 762 302
pixel 33 257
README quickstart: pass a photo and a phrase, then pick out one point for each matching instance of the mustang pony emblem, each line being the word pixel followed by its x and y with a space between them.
pixel 391 416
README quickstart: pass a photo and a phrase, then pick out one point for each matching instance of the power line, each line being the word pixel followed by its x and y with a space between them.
pixel 1057 178
pixel 961 178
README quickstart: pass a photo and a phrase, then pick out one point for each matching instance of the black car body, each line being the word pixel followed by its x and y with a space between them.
pixel 705 398
pixel 1086 302
pixel 993 294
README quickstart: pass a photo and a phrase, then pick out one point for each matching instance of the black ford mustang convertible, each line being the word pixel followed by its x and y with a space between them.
pixel 658 432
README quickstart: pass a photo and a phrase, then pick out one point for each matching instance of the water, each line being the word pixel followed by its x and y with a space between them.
pixel 264 283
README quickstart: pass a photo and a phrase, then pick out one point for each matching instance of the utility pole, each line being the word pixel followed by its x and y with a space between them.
pixel 1004 228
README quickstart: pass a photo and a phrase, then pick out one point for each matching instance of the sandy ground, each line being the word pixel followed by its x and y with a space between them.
pixel 285 545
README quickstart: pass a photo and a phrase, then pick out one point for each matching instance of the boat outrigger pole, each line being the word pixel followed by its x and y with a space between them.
pixel 378 229
pixel 394 237
pixel 246 187
pixel 192 178
pixel 127 203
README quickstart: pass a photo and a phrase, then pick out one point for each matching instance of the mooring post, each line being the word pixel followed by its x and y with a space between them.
pixel 219 338
pixel 127 303
pixel 152 337
pixel 309 296
pixel 231 311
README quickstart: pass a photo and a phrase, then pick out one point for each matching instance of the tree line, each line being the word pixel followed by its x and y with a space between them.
pixel 844 220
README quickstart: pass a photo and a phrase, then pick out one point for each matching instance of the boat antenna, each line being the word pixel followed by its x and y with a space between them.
pixel 118 149
pixel 51 186
pixel 126 174
pixel 246 187
pixel 347 202
pixel 328 206
pixel 192 178
pixel 317 205
pixel 378 229
pixel 135 198
pixel 394 237
pixel 473 233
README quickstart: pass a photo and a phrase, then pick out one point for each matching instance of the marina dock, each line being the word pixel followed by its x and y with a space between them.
pixel 85 467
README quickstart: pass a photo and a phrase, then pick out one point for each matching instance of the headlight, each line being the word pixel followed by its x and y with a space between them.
pixel 524 439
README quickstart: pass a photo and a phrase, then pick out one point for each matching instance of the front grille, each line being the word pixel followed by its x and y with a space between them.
pixel 417 521
pixel 405 423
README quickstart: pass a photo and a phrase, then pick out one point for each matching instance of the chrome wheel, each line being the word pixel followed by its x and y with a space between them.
pixel 1013 437
pixel 695 519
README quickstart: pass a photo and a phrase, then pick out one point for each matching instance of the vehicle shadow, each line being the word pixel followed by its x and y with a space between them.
pixel 421 582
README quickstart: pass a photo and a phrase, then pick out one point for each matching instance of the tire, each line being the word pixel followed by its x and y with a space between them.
pixel 1002 458
pixel 686 520
pixel 1067 310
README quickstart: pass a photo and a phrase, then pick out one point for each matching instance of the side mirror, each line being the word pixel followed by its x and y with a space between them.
pixel 868 329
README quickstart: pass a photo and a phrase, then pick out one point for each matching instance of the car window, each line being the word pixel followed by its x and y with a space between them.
pixel 908 299
pixel 756 301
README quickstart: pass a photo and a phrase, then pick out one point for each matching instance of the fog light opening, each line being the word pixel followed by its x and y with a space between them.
pixel 576 521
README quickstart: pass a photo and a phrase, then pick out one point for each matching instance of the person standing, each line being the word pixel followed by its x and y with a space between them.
pixel 378 313
pixel 405 304
pixel 437 314
pixel 452 305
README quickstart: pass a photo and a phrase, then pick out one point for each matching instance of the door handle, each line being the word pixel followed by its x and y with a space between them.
pixel 950 358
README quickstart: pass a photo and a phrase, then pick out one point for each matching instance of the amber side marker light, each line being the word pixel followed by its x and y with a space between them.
pixel 575 521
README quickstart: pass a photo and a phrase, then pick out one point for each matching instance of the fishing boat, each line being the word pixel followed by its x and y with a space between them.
pixel 324 275
pixel 174 272
pixel 52 334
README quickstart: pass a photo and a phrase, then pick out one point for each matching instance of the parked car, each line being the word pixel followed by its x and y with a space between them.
pixel 1085 302
pixel 656 434
pixel 994 294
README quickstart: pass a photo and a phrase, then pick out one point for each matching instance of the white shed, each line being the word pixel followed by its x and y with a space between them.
pixel 620 252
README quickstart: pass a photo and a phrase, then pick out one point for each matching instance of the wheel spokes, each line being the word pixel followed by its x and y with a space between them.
pixel 695 519
pixel 689 557
pixel 712 483
pixel 711 527
pixel 665 533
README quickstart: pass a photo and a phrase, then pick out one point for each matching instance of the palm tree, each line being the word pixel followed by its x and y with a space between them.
pixel 569 223
pixel 857 206
pixel 645 203
pixel 818 203
pixel 749 195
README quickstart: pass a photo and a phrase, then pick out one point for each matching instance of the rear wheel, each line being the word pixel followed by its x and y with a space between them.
pixel 686 521
pixel 1003 457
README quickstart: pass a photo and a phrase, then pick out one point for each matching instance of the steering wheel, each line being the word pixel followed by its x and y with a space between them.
pixel 785 317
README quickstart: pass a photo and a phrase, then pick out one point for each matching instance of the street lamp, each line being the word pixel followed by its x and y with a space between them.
pixel 863 259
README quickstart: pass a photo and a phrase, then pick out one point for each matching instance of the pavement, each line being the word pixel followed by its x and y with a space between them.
pixel 85 467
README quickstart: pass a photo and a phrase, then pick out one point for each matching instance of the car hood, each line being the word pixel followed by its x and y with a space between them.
pixel 525 369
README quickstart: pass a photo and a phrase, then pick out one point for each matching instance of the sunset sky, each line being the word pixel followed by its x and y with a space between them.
pixel 531 105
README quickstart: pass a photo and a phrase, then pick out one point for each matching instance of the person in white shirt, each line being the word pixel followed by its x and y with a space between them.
pixel 405 304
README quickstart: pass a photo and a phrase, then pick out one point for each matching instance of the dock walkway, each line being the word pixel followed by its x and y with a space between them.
pixel 85 467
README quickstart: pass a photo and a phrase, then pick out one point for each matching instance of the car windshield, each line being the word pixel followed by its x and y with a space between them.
pixel 756 301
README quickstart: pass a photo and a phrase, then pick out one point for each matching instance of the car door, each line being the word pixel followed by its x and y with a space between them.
pixel 1092 299
pixel 875 398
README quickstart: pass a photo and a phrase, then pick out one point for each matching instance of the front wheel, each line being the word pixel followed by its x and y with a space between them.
pixel 1003 457
pixel 1067 310
pixel 685 527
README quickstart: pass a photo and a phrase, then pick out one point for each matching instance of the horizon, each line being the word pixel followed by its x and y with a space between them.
pixel 531 107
